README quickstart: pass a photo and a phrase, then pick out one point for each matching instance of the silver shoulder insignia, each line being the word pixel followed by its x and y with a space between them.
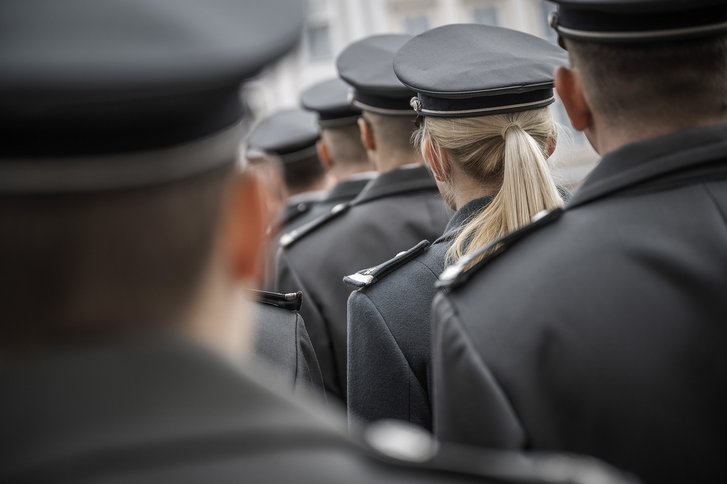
pixel 366 277
pixel 289 238
pixel 456 274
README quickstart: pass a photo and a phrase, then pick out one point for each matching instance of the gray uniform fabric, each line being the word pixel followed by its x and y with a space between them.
pixel 163 411
pixel 299 214
pixel 389 334
pixel 603 331
pixel 282 341
pixel 396 210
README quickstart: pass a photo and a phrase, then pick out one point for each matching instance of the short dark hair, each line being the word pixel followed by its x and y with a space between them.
pixel 345 145
pixel 676 83
pixel 393 132
pixel 301 174
pixel 99 261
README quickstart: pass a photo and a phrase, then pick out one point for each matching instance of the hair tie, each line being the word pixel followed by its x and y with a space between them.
pixel 507 128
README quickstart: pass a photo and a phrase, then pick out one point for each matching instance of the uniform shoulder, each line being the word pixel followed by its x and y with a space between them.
pixel 291 301
pixel 290 238
pixel 407 446
pixel 457 274
pixel 294 212
pixel 367 277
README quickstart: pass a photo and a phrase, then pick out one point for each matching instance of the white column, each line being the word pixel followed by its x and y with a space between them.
pixel 450 9
pixel 522 12
pixel 355 25
pixel 378 13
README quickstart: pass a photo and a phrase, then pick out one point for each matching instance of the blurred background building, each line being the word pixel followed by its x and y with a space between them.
pixel 333 24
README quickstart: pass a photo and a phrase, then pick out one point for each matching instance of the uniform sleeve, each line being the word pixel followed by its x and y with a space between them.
pixel 287 280
pixel 308 372
pixel 469 405
pixel 380 382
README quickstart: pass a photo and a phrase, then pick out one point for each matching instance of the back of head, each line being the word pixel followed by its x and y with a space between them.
pixel 672 85
pixel 368 66
pixel 648 67
pixel 393 136
pixel 290 136
pixel 484 93
pixel 98 262
pixel 304 173
pixel 346 148
pixel 506 152
pixel 337 118
pixel 125 122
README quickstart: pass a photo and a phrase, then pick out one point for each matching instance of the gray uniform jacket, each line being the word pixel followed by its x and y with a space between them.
pixel 299 214
pixel 282 341
pixel 163 411
pixel 601 330
pixel 389 330
pixel 296 215
pixel 395 211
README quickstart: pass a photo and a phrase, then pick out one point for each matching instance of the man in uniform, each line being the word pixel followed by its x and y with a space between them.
pixel 289 137
pixel 395 211
pixel 600 329
pixel 339 148
pixel 389 317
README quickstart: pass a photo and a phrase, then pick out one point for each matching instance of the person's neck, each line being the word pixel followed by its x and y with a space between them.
pixel 345 173
pixel 219 317
pixel 606 139
pixel 465 194
pixel 464 188
pixel 320 185
pixel 390 161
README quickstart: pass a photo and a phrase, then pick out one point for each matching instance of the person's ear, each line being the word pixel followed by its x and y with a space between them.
pixel 245 225
pixel 436 160
pixel 367 134
pixel 569 84
pixel 324 154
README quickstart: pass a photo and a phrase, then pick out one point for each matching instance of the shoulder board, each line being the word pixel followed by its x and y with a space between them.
pixel 456 274
pixel 405 445
pixel 291 301
pixel 367 277
pixel 293 213
pixel 290 238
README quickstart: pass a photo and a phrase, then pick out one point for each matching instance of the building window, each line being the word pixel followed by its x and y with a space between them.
pixel 319 42
pixel 486 15
pixel 546 9
pixel 416 24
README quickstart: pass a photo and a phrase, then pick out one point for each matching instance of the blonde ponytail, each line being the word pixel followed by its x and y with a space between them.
pixel 507 150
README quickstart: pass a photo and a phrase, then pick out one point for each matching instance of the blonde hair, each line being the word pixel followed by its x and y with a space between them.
pixel 508 151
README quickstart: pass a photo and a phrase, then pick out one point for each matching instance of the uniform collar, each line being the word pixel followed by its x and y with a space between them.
pixel 462 216
pixel 312 196
pixel 397 181
pixel 292 212
pixel 648 160
pixel 346 190
pixel 135 392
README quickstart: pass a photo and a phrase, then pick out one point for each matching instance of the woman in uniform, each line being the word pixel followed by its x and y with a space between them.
pixel 485 132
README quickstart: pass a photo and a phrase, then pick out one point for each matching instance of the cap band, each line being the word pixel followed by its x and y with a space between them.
pixel 120 171
pixel 328 123
pixel 426 105
pixel 601 26
pixel 392 106
pixel 295 156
